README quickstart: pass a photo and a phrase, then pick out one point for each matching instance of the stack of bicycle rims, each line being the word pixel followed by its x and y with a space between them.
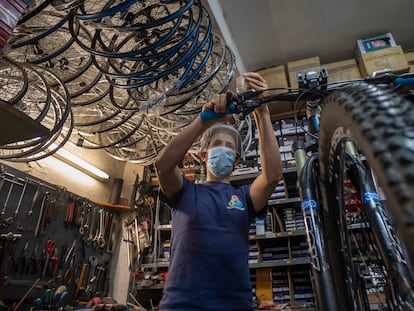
pixel 137 72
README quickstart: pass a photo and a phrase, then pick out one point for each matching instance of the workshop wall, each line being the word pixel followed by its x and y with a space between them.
pixel 54 239
pixel 79 185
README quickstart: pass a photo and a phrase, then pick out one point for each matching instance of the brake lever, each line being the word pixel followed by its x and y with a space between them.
pixel 239 104
pixel 243 104
pixel 240 98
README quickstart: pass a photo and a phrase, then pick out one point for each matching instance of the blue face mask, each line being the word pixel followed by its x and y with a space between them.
pixel 220 161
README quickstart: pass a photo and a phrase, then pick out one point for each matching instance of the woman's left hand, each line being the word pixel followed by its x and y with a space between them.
pixel 257 82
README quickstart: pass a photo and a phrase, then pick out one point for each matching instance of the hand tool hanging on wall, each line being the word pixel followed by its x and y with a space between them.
pixel 1 180
pixel 31 265
pixel 7 242
pixel 47 217
pixel 40 261
pixel 99 240
pixel 9 220
pixel 21 260
pixel 100 277
pixel 92 226
pixel 58 204
pixel 34 200
pixel 37 194
pixel 70 210
pixel 128 241
pixel 82 217
pixel 63 252
pixel 41 213
pixel 6 202
pixel 113 234
pixel 50 246
pixel 80 282
pixel 19 202
pixel 54 262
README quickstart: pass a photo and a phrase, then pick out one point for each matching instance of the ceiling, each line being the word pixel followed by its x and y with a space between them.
pixel 267 33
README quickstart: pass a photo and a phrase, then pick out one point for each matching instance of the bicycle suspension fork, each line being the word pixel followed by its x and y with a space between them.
pixel 307 182
pixel 384 233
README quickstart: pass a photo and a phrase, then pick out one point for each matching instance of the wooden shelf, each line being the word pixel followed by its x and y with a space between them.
pixel 276 235
pixel 280 263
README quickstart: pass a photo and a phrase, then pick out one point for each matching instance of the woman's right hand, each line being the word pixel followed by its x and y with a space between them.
pixel 218 109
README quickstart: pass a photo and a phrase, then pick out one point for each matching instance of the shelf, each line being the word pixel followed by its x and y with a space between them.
pixel 280 263
pixel 283 201
pixel 254 175
pixel 267 264
pixel 359 225
pixel 152 287
pixel 276 235
pixel 27 127
pixel 155 265
pixel 167 227
pixel 291 309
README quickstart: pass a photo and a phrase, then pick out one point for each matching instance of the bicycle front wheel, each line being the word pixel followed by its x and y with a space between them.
pixel 380 124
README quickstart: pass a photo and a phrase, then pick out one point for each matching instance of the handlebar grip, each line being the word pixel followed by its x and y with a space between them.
pixel 404 81
pixel 210 114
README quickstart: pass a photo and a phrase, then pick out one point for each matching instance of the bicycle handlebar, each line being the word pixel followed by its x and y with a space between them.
pixel 244 103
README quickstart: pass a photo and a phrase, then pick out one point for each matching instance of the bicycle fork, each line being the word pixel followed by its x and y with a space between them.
pixel 326 295
pixel 393 256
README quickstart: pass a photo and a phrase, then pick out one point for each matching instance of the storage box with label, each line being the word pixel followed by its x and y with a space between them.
pixel 409 56
pixel 392 58
pixel 342 71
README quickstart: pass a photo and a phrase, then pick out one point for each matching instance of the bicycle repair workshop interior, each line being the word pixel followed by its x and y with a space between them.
pixel 91 91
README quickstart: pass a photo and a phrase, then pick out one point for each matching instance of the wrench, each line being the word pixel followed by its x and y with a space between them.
pixel 92 227
pixel 93 262
pixel 101 238
pixel 84 228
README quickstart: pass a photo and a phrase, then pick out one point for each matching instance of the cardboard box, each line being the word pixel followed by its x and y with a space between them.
pixel 409 56
pixel 343 71
pixel 264 284
pixel 276 78
pixel 302 66
pixel 392 58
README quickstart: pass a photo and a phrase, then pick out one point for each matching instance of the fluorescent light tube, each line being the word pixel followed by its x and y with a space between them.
pixel 78 163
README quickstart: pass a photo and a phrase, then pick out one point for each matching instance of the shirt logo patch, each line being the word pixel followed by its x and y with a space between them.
pixel 235 203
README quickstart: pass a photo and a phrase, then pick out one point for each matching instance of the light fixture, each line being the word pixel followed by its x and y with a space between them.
pixel 78 163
